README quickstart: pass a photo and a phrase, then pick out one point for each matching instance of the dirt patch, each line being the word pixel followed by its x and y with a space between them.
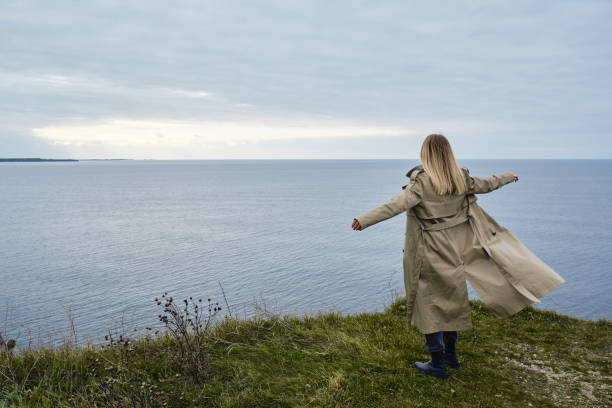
pixel 566 386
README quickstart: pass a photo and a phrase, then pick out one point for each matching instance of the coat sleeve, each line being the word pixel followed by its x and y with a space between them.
pixel 408 198
pixel 480 185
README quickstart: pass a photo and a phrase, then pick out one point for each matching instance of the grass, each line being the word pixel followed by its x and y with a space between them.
pixel 536 358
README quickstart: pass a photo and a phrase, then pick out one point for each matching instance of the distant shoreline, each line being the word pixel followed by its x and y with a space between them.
pixel 34 159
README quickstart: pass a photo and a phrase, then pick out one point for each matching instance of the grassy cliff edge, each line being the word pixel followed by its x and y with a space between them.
pixel 536 358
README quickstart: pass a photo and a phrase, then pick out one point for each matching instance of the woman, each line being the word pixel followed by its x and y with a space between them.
pixel 450 238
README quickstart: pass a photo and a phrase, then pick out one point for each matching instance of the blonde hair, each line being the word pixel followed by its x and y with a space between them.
pixel 439 163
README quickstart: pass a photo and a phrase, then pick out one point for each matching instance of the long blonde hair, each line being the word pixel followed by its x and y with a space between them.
pixel 439 163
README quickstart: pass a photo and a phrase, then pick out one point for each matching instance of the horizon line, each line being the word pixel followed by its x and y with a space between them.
pixel 312 158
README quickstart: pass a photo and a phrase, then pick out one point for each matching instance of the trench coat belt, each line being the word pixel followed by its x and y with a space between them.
pixel 447 224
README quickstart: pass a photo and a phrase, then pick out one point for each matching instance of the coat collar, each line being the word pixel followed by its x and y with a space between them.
pixel 416 169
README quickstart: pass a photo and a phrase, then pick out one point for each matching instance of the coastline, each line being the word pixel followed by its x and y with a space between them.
pixel 34 160
pixel 537 358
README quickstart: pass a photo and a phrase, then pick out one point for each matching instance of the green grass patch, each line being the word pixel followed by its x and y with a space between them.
pixel 536 358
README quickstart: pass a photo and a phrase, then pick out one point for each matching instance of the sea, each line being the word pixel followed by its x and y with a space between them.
pixel 86 247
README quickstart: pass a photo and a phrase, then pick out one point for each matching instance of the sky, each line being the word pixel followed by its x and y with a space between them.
pixel 304 79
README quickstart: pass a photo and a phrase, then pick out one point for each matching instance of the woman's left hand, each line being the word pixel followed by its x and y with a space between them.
pixel 356 225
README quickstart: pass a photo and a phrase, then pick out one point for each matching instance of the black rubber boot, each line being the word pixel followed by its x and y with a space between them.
pixel 435 367
pixel 450 355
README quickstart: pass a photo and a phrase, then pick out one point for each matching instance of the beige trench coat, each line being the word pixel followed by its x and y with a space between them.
pixel 450 239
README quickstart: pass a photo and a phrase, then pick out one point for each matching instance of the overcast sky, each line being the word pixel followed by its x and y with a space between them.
pixel 305 79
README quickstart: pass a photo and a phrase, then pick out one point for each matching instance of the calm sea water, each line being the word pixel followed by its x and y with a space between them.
pixel 103 238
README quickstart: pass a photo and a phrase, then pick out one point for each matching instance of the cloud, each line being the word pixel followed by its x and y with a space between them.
pixel 49 82
pixel 172 139
pixel 122 132
pixel 191 94
pixel 540 67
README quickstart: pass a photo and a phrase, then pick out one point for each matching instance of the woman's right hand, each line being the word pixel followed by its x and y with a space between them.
pixel 515 177
pixel 356 225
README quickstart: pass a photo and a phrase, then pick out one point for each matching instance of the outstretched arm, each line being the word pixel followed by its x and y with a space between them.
pixel 408 198
pixel 480 185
